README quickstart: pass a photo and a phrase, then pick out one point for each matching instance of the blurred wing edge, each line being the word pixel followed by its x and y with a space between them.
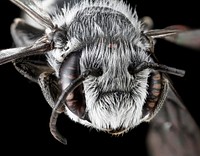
pixel 173 131
pixel 181 35
pixel 189 38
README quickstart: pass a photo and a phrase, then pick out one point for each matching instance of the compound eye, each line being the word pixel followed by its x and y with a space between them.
pixel 70 69
pixel 69 76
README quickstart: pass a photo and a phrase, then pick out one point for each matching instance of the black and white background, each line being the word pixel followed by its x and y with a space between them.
pixel 24 113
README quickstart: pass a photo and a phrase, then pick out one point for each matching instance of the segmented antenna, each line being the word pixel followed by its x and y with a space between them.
pixel 61 101
pixel 56 110
pixel 159 67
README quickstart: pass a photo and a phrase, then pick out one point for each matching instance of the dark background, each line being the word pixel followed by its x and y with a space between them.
pixel 24 113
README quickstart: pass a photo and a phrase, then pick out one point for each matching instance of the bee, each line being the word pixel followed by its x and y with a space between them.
pixel 94 61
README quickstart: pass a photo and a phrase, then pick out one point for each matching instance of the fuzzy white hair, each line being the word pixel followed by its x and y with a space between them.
pixel 116 98
pixel 109 35
pixel 90 26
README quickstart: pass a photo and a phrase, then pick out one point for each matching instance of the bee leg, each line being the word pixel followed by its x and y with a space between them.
pixel 50 87
pixel 24 34
pixel 32 66
pixel 51 91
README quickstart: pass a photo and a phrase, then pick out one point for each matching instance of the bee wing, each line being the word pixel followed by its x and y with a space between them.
pixel 173 131
pixel 178 34
pixel 188 38
pixel 34 11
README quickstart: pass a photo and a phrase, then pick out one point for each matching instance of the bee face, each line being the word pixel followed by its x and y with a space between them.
pixel 114 97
